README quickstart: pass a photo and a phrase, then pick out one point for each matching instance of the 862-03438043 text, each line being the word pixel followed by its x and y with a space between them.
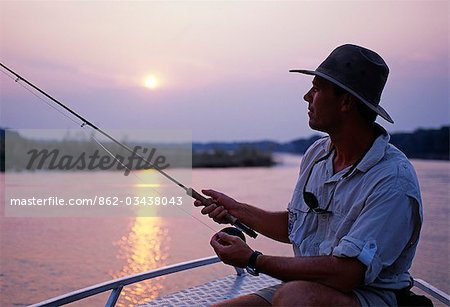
pixel 99 201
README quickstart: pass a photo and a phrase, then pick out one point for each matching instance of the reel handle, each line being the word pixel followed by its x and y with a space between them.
pixel 229 218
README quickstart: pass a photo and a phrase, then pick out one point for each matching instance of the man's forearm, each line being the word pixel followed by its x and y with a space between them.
pixel 270 224
pixel 343 274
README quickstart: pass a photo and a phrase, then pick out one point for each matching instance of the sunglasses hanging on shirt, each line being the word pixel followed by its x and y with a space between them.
pixel 311 199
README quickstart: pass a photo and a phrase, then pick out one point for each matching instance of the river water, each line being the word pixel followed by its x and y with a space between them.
pixel 45 257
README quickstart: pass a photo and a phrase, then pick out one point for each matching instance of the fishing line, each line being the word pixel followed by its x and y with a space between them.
pixel 191 192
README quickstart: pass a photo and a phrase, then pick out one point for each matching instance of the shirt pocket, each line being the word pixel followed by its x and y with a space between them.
pixel 296 225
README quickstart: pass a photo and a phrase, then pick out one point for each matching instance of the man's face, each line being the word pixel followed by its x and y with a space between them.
pixel 323 105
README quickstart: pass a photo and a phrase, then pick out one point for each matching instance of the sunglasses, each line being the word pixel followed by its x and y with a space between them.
pixel 311 199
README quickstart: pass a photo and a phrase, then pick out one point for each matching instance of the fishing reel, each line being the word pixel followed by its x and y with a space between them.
pixel 233 231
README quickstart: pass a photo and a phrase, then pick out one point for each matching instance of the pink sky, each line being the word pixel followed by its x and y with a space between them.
pixel 223 66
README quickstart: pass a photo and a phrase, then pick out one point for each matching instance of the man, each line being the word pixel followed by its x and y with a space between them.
pixel 355 214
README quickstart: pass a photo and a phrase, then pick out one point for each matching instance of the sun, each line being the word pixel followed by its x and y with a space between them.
pixel 151 82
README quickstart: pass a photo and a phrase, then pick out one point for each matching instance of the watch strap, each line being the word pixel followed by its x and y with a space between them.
pixel 252 260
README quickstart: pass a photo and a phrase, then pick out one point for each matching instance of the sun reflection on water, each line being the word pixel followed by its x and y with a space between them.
pixel 145 247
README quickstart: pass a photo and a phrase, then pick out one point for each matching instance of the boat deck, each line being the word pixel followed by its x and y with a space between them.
pixel 216 291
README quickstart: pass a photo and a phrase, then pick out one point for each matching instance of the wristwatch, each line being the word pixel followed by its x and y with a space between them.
pixel 251 265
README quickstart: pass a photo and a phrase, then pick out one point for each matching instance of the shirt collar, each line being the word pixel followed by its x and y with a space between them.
pixel 375 153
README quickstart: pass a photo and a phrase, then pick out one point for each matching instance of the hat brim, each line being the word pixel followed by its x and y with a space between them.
pixel 377 109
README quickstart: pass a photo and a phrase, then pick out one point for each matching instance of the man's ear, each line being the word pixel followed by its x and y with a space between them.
pixel 348 102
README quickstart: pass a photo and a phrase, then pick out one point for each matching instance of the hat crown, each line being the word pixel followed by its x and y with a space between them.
pixel 360 70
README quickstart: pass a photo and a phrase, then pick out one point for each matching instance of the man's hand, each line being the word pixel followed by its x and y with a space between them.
pixel 231 249
pixel 220 206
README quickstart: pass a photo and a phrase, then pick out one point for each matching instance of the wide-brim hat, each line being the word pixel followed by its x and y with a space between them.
pixel 358 70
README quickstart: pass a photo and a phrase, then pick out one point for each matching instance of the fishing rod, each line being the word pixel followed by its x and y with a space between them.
pixel 189 190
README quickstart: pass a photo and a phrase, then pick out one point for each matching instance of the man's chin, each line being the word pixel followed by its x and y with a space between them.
pixel 315 126
pixel 312 124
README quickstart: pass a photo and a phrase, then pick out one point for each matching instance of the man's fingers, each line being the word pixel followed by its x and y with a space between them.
pixel 225 238
pixel 209 209
pixel 213 214
pixel 214 207
pixel 206 202
pixel 221 216
pixel 215 242
pixel 212 193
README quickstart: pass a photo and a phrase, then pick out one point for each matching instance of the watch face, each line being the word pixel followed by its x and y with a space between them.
pixel 252 271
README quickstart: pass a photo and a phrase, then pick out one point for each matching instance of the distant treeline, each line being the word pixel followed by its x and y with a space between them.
pixel 433 144
pixel 243 155
pixel 420 144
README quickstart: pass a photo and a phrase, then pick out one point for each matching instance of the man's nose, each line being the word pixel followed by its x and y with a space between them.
pixel 307 96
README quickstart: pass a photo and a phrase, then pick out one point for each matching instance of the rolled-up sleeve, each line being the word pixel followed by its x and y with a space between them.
pixel 381 232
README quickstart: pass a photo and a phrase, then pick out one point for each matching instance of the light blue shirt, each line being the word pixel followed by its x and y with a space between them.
pixel 376 212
